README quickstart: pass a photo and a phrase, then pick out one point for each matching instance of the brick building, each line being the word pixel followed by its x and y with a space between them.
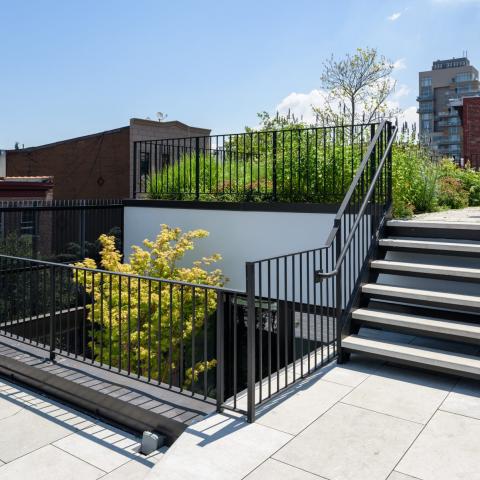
pixel 471 130
pixel 94 166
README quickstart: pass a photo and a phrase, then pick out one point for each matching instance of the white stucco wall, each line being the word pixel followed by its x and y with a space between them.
pixel 239 236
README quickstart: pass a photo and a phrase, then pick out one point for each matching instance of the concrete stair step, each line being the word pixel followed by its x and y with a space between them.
pixel 448 300
pixel 420 324
pixel 425 269
pixel 434 224
pixel 429 358
pixel 430 245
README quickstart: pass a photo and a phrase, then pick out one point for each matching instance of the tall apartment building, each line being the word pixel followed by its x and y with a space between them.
pixel 439 88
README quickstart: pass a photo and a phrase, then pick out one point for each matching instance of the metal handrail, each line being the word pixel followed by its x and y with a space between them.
pixel 365 203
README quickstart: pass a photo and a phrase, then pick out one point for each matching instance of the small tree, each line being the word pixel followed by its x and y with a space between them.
pixel 144 325
pixel 358 87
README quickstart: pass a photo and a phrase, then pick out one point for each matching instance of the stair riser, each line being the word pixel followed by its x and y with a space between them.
pixel 429 303
pixel 445 233
pixel 414 364
pixel 416 332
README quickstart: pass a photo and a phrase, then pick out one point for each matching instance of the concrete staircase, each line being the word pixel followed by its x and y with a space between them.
pixel 425 284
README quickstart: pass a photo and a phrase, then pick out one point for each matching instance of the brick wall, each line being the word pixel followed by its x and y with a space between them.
pixel 471 130
pixel 141 129
pixel 94 166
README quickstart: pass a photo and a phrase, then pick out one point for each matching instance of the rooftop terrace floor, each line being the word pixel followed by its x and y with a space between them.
pixel 43 440
pixel 364 420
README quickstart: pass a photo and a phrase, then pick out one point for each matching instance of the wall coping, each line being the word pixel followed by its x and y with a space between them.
pixel 237 206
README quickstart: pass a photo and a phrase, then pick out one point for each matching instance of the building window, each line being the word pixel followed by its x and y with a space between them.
pixel 426 107
pixel 426 125
pixel 426 82
pixel 28 224
pixel 463 77
pixel 426 91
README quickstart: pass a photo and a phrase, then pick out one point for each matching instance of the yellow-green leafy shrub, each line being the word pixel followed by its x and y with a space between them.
pixel 145 326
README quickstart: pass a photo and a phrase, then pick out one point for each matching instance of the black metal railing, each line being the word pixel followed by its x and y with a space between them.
pixel 298 165
pixel 58 230
pixel 166 332
pixel 314 290
pixel 357 226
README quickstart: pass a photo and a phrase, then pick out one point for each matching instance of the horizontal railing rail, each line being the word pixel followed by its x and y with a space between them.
pixel 314 164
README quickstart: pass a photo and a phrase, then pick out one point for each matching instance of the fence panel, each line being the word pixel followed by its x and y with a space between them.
pixel 314 164
pixel 59 231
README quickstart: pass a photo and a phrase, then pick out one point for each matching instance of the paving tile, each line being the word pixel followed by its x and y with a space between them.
pixel 102 447
pixel 464 399
pixel 447 449
pixel 400 476
pixel 275 470
pixel 310 400
pixel 26 431
pixel 134 469
pixel 49 463
pixel 353 372
pixel 8 407
pixel 402 392
pixel 350 443
pixel 220 447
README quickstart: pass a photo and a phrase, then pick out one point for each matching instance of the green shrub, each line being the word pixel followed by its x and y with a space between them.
pixel 451 193
pixel 142 326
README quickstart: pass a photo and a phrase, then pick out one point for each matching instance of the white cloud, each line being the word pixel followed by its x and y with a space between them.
pixel 394 16
pixel 399 64
pixel 401 91
pixel 300 104
pixel 408 115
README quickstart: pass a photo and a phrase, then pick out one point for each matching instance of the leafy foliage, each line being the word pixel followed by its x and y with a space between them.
pixel 422 184
pixel 147 326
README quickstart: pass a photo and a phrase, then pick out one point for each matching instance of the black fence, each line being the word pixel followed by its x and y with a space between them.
pixel 316 289
pixel 297 165
pixel 159 331
pixel 59 231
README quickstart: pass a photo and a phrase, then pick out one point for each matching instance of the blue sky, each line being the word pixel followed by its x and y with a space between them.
pixel 73 68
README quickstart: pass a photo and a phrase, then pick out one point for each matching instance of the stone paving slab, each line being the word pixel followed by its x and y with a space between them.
pixel 402 393
pixel 349 443
pixel 464 399
pixel 221 447
pixel 49 463
pixel 447 449
pixel 275 470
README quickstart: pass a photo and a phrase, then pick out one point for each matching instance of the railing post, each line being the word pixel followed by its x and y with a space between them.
pixel 389 166
pixel 338 289
pixel 52 313
pixel 82 230
pixel 274 165
pixel 134 186
pixel 251 351
pixel 372 174
pixel 197 168
pixel 220 349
